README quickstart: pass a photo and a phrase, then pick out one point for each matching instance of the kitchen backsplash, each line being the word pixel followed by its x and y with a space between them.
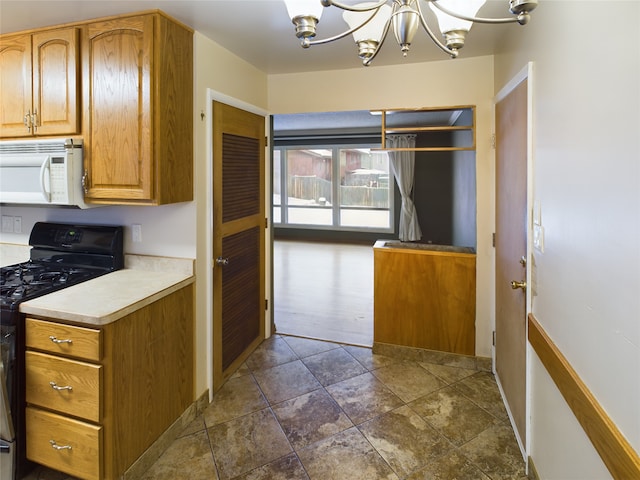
pixel 11 253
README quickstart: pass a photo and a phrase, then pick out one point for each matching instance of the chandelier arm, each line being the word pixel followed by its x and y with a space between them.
pixel 308 43
pixel 353 8
pixel 434 38
pixel 474 19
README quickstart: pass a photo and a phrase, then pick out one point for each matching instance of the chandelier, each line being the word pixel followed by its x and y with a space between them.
pixel 369 22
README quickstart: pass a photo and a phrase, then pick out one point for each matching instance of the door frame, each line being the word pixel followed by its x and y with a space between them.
pixel 213 95
pixel 527 73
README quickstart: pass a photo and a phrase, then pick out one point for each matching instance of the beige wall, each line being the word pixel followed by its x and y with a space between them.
pixel 443 83
pixel 586 105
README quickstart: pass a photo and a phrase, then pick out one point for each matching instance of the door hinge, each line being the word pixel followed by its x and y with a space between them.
pixel 493 141
pixel 266 223
pixel 494 338
pixel 493 240
pixel 266 304
pixel 266 141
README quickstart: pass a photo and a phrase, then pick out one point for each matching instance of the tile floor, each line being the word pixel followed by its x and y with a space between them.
pixel 308 409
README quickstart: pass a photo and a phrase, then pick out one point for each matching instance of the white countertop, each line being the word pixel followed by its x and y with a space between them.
pixel 108 298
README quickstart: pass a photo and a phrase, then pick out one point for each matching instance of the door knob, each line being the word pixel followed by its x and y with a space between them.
pixel 222 261
pixel 515 285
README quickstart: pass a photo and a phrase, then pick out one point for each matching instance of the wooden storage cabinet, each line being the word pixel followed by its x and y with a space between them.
pixel 39 83
pixel 138 104
pixel 424 296
pixel 140 362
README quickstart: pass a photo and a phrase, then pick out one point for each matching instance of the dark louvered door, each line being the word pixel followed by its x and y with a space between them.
pixel 238 237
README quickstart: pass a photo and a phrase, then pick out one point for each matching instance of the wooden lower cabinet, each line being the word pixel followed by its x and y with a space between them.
pixel 130 380
pixel 424 296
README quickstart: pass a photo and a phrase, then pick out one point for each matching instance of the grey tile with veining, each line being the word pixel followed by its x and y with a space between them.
pixel 368 359
pixel 344 456
pixel 196 425
pixel 187 454
pixel 237 397
pixel 497 454
pixel 363 397
pixel 482 389
pixel 246 443
pixel 453 414
pixel 446 373
pixel 273 351
pixel 451 466
pixel 285 468
pixel 404 440
pixel 408 380
pixel 242 370
pixel 305 347
pixel 333 366
pixel 286 381
pixel 311 417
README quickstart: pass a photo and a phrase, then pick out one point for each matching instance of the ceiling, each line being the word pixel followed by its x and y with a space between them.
pixel 259 31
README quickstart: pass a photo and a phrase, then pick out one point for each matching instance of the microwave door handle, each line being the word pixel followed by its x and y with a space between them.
pixel 44 169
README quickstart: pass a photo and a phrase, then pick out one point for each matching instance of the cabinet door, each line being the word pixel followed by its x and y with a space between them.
pixel 117 106
pixel 15 86
pixel 55 86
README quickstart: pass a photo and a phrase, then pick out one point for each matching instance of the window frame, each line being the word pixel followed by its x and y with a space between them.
pixel 335 206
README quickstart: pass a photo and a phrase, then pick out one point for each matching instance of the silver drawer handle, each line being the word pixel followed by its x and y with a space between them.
pixel 59 447
pixel 55 340
pixel 55 386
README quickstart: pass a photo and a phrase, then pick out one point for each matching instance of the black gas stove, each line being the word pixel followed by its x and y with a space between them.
pixel 61 255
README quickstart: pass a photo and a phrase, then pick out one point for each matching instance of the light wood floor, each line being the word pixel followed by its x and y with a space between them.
pixel 324 291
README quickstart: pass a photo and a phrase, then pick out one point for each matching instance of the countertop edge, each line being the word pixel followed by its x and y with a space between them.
pixel 65 315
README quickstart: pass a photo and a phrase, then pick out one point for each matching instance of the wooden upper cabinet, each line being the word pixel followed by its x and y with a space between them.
pixel 39 83
pixel 138 104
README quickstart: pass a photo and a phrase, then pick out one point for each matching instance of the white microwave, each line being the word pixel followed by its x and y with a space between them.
pixel 42 172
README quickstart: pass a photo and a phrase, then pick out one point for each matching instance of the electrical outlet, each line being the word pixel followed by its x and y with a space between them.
pixel 136 232
pixel 17 224
pixel 7 224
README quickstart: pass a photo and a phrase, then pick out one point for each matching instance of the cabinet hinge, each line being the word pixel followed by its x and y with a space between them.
pixel 266 223
pixel 266 304
pixel 266 141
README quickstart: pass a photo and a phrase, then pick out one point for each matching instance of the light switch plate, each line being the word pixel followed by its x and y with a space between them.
pixel 537 214
pixel 538 238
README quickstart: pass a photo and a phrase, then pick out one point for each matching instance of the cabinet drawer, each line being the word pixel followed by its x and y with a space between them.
pixel 48 379
pixel 49 436
pixel 64 339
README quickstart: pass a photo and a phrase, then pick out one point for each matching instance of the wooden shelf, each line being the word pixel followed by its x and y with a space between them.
pixel 408 121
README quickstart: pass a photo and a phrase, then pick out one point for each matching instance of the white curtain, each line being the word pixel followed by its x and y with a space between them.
pixel 403 165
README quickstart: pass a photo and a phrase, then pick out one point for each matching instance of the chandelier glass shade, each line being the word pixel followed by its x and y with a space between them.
pixel 369 22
